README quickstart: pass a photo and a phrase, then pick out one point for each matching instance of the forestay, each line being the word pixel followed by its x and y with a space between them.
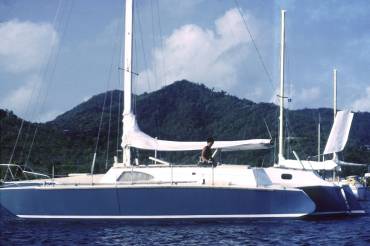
pixel 134 137
pixel 339 133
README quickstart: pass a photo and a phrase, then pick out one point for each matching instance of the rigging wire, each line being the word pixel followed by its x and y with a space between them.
pixel 109 124
pixel 143 47
pixel 164 79
pixel 57 23
pixel 34 89
pixel 299 141
pixel 99 130
pixel 118 120
pixel 120 92
pixel 47 68
pixel 254 43
pixel 135 66
pixel 270 80
pixel 164 70
pixel 288 107
pixel 16 141
pixel 276 123
pixel 52 66
pixel 115 47
pixel 154 43
pixel 109 78
pixel 27 136
pixel 255 46
pixel 151 84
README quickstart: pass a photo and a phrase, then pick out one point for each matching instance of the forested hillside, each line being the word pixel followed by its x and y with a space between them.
pixel 181 111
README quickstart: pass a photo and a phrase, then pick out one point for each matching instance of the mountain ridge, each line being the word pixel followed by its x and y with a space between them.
pixel 187 112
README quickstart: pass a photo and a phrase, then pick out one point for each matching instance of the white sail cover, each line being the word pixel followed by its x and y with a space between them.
pixel 134 137
pixel 339 132
pixel 317 165
pixel 308 165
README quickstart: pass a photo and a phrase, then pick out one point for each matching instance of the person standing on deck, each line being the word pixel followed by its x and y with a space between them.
pixel 206 156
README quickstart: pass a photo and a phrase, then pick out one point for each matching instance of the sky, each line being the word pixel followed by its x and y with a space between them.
pixel 55 54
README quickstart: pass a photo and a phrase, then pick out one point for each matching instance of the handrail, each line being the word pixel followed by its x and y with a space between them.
pixel 10 165
pixel 37 174
pixel 8 170
pixel 159 160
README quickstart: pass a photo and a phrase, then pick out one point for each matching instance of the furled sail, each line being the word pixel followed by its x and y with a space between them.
pixel 308 165
pixel 134 137
pixel 339 133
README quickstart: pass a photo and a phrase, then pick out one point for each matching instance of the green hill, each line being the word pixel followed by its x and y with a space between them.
pixel 181 111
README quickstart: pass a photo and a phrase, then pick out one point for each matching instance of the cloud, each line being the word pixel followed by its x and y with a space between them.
pixel 48 116
pixel 85 99
pixel 363 103
pixel 305 97
pixel 201 55
pixel 24 46
pixel 27 101
pixel 22 98
pixel 275 96
pixel 308 95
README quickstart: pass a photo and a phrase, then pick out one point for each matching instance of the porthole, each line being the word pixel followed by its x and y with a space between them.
pixel 286 176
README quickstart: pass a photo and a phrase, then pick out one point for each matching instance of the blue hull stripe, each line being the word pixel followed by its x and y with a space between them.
pixel 155 203
pixel 329 200
pixel 229 216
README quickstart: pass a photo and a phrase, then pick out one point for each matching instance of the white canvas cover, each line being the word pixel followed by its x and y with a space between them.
pixel 339 132
pixel 316 165
pixel 309 165
pixel 134 137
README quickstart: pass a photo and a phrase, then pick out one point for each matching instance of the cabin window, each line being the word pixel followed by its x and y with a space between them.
pixel 134 176
pixel 286 176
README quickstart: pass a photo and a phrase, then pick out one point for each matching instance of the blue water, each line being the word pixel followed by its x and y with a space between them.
pixel 338 231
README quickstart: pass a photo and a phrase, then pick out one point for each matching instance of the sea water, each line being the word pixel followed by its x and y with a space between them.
pixel 333 231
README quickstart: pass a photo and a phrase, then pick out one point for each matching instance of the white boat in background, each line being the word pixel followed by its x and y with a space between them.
pixel 329 197
pixel 358 189
pixel 166 191
pixel 367 179
pixel 336 143
pixel 337 140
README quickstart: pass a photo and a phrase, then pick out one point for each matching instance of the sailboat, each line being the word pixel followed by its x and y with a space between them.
pixel 165 191
pixel 330 198
pixel 336 143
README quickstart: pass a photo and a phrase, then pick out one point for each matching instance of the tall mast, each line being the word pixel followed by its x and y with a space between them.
pixel 319 139
pixel 335 92
pixel 127 75
pixel 335 105
pixel 282 58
